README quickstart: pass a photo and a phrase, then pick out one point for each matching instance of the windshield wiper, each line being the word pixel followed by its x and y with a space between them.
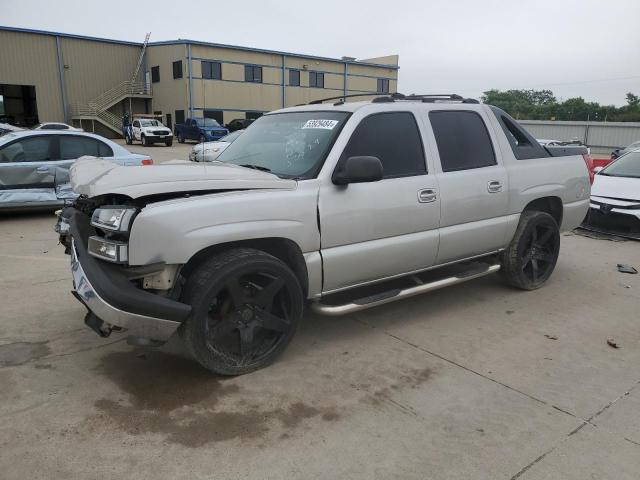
pixel 256 167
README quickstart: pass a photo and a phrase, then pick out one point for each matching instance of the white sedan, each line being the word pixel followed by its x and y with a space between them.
pixel 209 151
pixel 615 198
pixel 56 126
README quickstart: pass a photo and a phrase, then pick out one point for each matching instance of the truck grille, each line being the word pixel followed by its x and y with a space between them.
pixel 160 132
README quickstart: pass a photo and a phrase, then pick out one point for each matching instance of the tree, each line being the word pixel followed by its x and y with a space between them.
pixel 543 105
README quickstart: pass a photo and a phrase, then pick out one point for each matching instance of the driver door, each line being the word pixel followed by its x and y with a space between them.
pixel 27 171
pixel 371 231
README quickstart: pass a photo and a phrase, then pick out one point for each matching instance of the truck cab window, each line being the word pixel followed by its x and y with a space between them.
pixel 392 137
pixel 463 140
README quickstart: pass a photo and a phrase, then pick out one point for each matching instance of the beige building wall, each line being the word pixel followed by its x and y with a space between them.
pixel 169 94
pixel 92 67
pixel 32 59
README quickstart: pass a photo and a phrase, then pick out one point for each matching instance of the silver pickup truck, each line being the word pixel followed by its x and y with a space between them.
pixel 335 206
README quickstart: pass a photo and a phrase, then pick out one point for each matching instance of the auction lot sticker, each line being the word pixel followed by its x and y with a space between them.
pixel 326 124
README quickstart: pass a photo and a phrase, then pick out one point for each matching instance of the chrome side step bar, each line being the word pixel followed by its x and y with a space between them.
pixel 398 294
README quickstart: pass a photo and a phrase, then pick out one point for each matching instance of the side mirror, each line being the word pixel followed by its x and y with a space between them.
pixel 358 170
pixel 598 169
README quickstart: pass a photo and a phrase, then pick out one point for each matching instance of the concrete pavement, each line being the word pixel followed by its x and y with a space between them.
pixel 478 381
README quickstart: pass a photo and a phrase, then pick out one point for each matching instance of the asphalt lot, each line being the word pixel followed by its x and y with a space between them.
pixel 478 381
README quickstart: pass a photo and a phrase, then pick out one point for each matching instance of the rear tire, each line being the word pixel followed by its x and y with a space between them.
pixel 246 308
pixel 531 257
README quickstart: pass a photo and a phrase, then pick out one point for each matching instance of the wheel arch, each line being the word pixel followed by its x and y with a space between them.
pixel 282 248
pixel 550 204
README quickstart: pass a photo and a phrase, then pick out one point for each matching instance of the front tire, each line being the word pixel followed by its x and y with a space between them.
pixel 246 308
pixel 169 142
pixel 202 139
pixel 531 257
pixel 144 141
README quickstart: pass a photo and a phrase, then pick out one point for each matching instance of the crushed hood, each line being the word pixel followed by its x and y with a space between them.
pixel 616 187
pixel 94 177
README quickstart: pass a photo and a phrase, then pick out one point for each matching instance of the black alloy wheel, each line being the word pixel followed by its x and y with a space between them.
pixel 530 258
pixel 246 308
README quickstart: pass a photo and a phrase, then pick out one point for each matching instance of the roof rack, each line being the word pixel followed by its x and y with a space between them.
pixel 392 97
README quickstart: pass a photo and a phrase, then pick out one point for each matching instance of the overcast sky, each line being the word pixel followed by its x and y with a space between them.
pixel 575 48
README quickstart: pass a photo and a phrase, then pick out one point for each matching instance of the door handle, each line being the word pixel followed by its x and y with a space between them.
pixel 494 186
pixel 427 195
pixel 43 169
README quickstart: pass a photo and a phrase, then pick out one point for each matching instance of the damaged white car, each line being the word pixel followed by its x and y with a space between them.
pixel 34 165
pixel 615 198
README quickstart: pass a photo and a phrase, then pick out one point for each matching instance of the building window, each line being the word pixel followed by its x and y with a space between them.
pixel 155 74
pixel 294 78
pixel 252 73
pixel 215 114
pixel 179 116
pixel 177 69
pixel 383 85
pixel 211 70
pixel 316 79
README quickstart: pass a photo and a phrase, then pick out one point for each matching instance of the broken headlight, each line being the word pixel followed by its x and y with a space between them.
pixel 114 219
pixel 110 250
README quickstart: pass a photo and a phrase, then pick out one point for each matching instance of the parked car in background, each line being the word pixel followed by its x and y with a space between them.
pixel 209 151
pixel 618 152
pixel 148 131
pixel 332 206
pixel 239 124
pixel 615 198
pixel 34 164
pixel 56 126
pixel 200 129
pixel 7 128
pixel 547 142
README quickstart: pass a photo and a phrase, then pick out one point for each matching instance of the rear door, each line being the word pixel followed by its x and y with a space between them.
pixel 27 170
pixel 375 230
pixel 473 184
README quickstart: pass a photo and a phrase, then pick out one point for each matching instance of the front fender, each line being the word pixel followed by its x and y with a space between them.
pixel 173 231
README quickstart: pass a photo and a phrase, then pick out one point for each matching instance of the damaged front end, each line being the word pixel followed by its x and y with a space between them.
pixel 614 216
pixel 138 299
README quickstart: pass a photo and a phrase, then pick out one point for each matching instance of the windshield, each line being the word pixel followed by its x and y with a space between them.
pixel 290 145
pixel 207 122
pixel 231 137
pixel 150 123
pixel 626 166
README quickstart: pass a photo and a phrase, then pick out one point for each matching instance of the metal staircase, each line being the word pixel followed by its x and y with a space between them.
pixel 98 108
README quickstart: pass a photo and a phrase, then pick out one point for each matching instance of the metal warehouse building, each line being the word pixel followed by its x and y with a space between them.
pixel 48 76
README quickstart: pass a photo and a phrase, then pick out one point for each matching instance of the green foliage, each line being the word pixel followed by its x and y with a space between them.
pixel 542 105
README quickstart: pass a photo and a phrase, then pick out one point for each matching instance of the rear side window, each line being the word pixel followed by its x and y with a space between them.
pixel 463 140
pixel 75 147
pixel 523 145
pixel 104 150
pixel 392 137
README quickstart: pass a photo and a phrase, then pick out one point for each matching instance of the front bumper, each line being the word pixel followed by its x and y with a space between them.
pixel 612 220
pixel 113 299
